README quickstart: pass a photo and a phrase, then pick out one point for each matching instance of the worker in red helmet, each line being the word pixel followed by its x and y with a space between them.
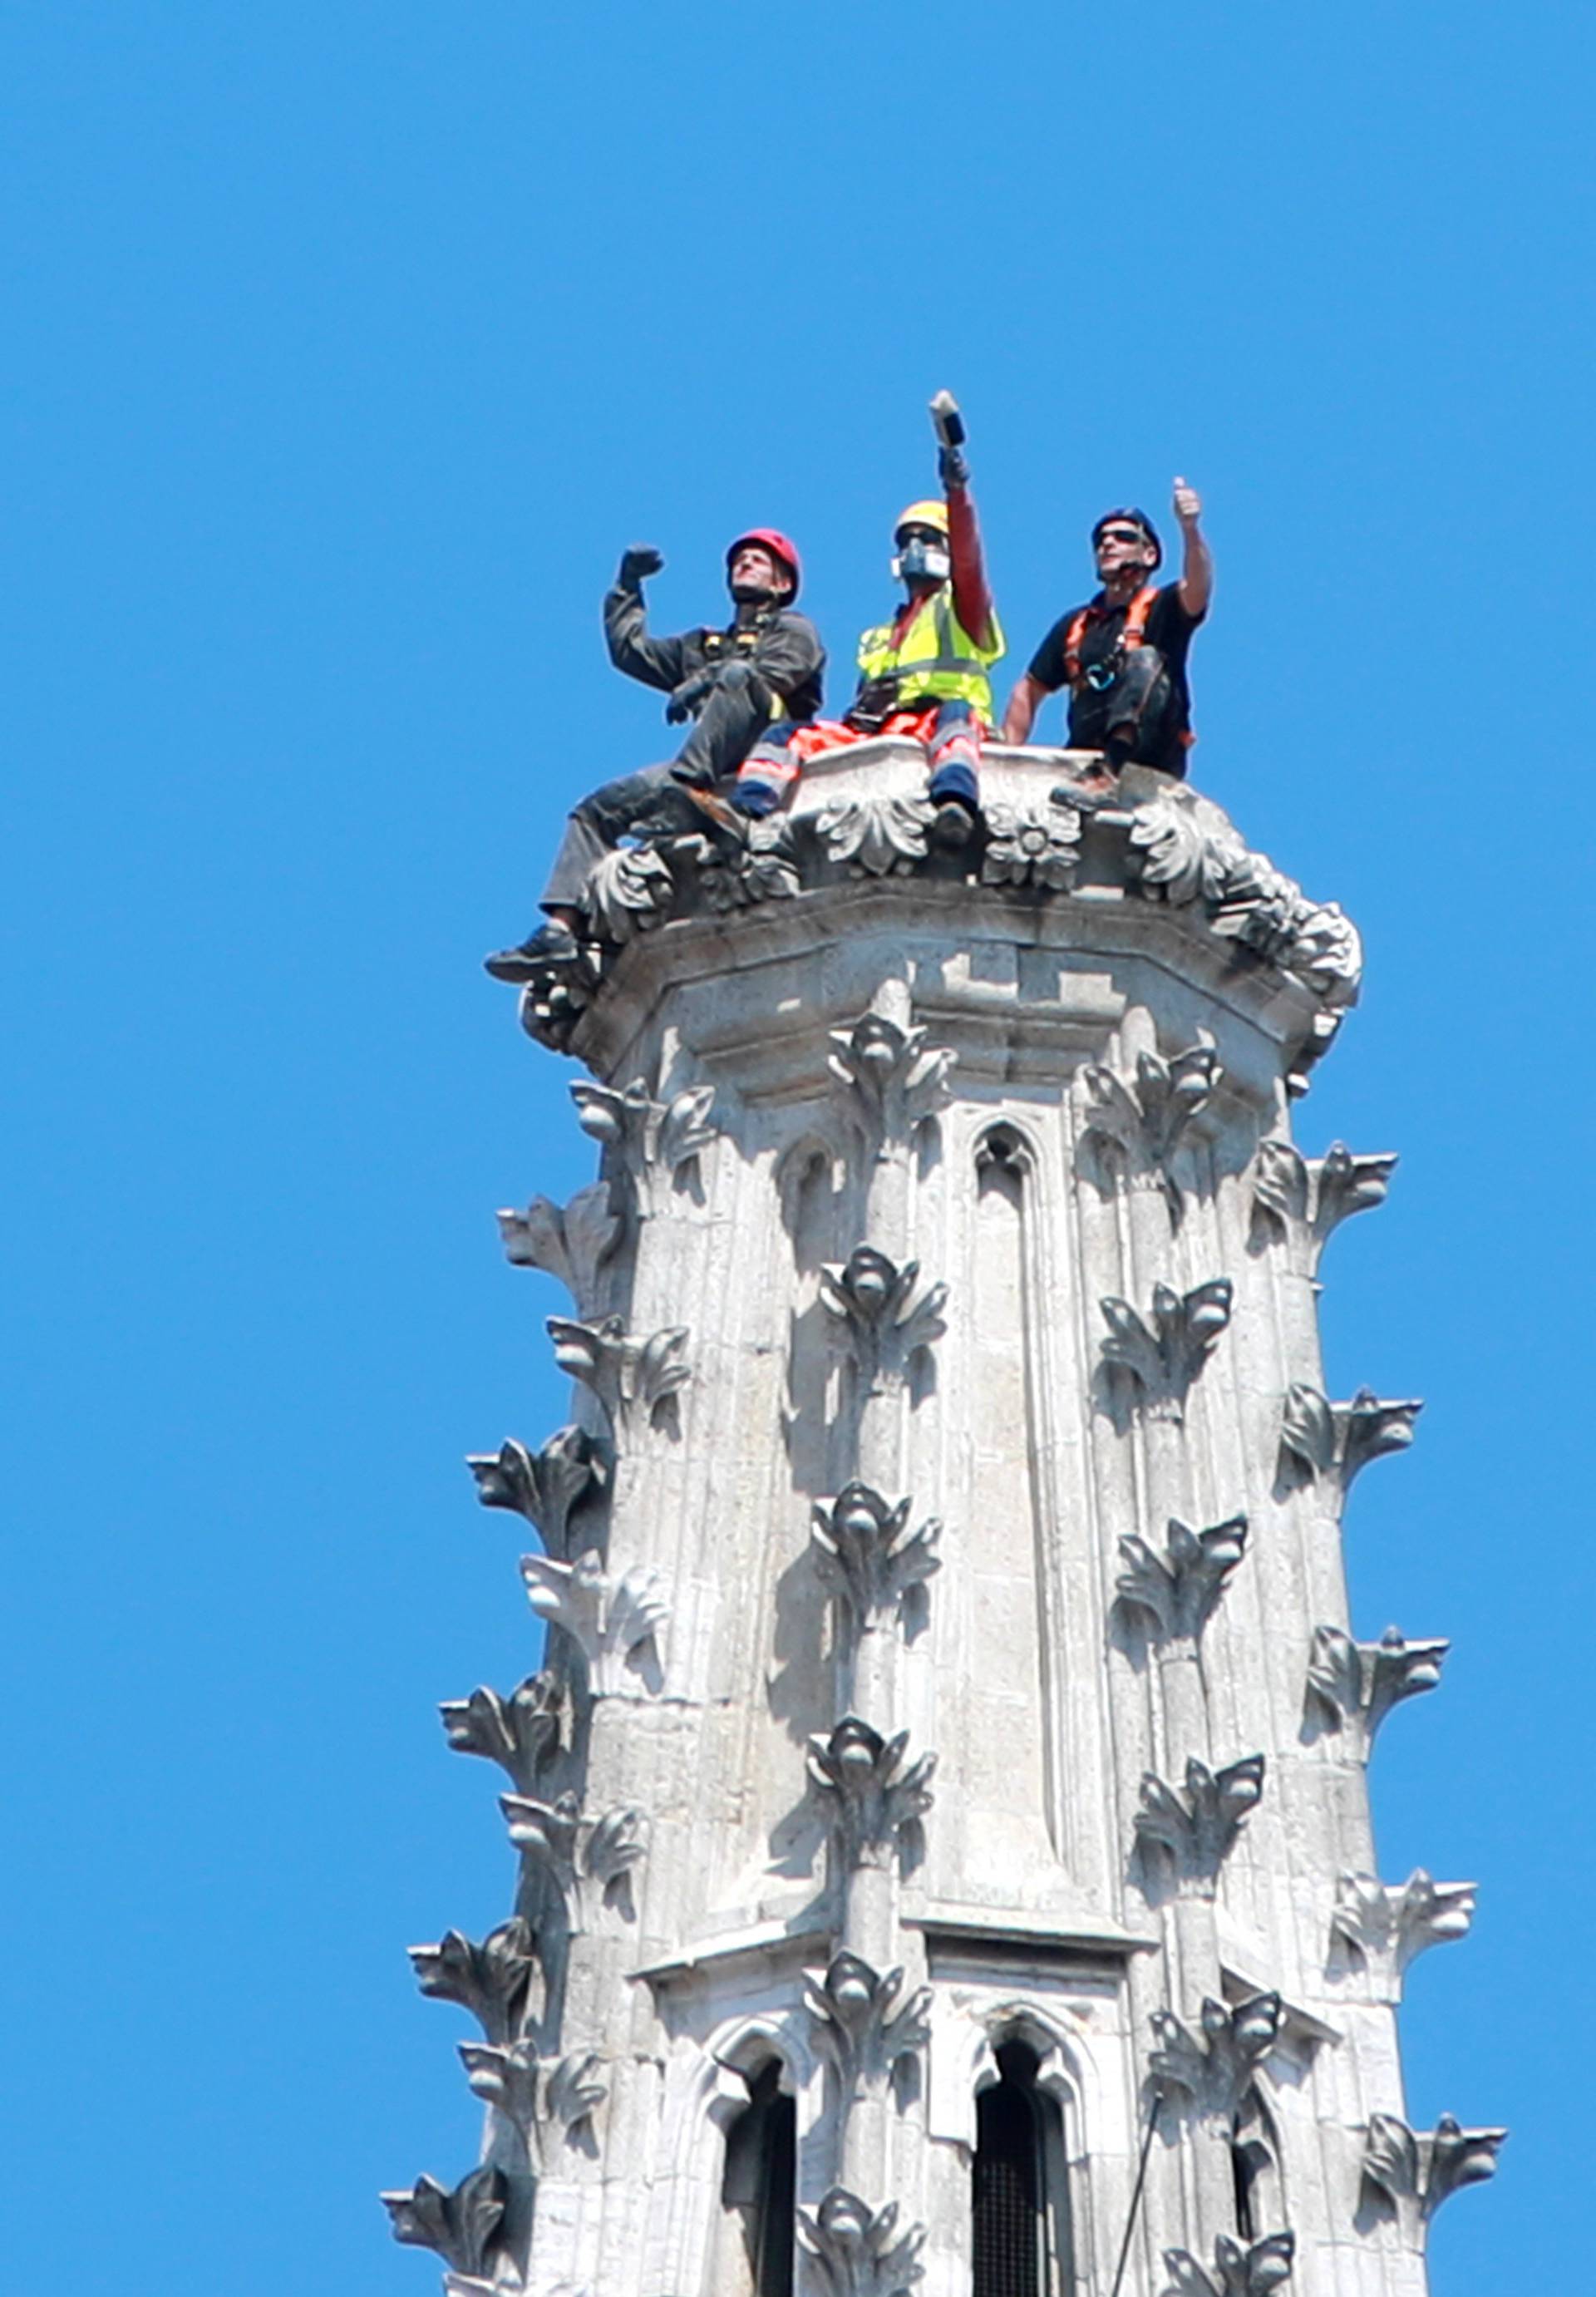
pixel 1123 655
pixel 761 673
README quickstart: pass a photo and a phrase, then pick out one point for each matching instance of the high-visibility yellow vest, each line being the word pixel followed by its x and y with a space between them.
pixel 936 659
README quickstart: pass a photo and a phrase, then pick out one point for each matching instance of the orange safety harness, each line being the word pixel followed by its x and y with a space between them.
pixel 1134 633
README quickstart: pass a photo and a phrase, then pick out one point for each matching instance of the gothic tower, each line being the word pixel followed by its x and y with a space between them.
pixel 941 1821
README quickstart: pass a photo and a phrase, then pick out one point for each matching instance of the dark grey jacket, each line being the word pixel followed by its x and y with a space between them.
pixel 783 649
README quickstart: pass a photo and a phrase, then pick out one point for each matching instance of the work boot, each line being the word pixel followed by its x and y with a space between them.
pixel 551 945
pixel 955 823
pixel 715 808
pixel 1097 785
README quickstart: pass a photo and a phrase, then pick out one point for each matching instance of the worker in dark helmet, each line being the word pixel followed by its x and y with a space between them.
pixel 924 676
pixel 1123 656
pixel 762 672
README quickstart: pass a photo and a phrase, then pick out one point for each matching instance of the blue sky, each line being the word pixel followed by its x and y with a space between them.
pixel 348 345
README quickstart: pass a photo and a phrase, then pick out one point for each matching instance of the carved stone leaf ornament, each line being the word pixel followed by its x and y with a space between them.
pixel 887 1320
pixel 869 1793
pixel 634 1378
pixel 1179 1590
pixel 1362 1683
pixel 1406 2174
pixel 1240 2268
pixel 1029 845
pixel 1147 1115
pixel 460 2225
pixel 892 1085
pixel 557 995
pixel 863 1556
pixel 1163 1358
pixel 862 2024
pixel 607 1619
pixel 742 866
pixel 570 1242
pixel 1392 1924
pixel 628 892
pixel 877 836
pixel 574 1851
pixel 641 1131
pixel 549 2099
pixel 1332 1442
pixel 1185 861
pixel 545 1487
pixel 1307 1198
pixel 521 1733
pixel 490 1979
pixel 1211 2071
pixel 1198 1828
pixel 860 2251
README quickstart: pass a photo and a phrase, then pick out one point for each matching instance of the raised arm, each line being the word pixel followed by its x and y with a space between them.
pixel 1196 572
pixel 655 662
pixel 972 592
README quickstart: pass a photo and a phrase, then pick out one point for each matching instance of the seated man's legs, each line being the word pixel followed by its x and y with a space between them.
pixel 953 747
pixel 598 824
pixel 731 722
pixel 766 774
pixel 1139 704
pixel 593 827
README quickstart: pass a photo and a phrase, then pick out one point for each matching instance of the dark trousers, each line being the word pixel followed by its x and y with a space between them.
pixel 1136 717
pixel 731 723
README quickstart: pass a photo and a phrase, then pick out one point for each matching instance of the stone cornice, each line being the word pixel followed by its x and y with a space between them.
pixel 1159 873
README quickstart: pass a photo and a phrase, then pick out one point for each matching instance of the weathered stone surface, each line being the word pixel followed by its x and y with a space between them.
pixel 880 1126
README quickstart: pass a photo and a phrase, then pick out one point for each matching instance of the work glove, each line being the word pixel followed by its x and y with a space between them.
pixel 953 468
pixel 690 697
pixel 637 563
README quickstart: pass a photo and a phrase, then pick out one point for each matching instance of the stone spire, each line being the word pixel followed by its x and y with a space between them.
pixel 952 1720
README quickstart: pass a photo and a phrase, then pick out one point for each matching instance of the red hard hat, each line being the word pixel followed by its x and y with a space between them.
pixel 778 545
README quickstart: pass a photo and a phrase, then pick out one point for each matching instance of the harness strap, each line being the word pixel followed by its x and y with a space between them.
pixel 945 658
pixel 1133 634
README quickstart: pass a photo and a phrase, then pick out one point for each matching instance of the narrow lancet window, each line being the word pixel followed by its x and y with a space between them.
pixel 761 2160
pixel 1020 2244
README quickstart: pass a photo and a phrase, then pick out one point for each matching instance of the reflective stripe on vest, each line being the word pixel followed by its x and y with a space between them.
pixel 1134 633
pixel 935 659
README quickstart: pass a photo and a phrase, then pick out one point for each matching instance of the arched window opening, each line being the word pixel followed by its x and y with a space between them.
pixel 757 2187
pixel 1255 2171
pixel 1019 2187
pixel 1256 2175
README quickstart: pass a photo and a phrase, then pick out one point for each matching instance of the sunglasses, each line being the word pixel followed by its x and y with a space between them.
pixel 1121 534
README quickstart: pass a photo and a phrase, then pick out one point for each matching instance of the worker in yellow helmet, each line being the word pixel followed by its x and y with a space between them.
pixel 924 676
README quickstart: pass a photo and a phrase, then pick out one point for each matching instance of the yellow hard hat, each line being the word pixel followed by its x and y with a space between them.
pixel 930 513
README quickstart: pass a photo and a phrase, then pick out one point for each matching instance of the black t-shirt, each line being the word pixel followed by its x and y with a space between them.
pixel 1169 629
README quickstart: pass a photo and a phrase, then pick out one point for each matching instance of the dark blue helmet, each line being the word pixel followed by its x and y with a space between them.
pixel 1132 517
